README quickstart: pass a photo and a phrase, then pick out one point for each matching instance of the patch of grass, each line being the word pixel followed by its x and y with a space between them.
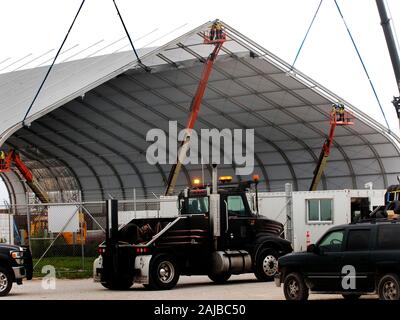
pixel 66 267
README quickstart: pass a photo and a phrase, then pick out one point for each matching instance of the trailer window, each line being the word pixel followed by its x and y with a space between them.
pixel 319 210
pixel 198 205
pixel 236 206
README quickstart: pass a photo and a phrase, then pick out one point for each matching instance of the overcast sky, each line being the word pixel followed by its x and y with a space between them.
pixel 33 28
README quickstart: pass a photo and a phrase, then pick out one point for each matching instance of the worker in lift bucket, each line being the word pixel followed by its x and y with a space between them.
pixel 216 31
pixel 341 112
pixel 336 112
pixel 2 158
pixel 219 30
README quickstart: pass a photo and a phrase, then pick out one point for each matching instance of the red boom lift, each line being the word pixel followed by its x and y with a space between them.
pixel 326 148
pixel 217 39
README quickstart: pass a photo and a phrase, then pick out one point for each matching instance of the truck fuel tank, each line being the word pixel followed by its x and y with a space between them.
pixel 231 261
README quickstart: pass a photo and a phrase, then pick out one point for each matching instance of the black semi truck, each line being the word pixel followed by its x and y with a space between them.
pixel 217 233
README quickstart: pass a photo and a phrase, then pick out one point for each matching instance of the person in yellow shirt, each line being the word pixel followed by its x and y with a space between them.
pixel 2 159
pixel 341 112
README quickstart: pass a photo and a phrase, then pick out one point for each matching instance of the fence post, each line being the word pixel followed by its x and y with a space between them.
pixel 28 218
pixel 289 212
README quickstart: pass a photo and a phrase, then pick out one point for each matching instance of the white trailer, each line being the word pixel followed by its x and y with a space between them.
pixel 6 228
pixel 314 212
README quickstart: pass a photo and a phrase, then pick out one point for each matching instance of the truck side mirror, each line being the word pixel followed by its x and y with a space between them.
pixel 313 249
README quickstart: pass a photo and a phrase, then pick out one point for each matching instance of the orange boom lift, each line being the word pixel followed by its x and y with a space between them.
pixel 326 148
pixel 217 37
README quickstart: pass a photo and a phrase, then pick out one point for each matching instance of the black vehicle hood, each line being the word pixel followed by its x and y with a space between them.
pixel 4 247
pixel 294 257
pixel 263 224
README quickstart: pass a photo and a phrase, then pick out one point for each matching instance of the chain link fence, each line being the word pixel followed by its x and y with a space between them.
pixel 66 235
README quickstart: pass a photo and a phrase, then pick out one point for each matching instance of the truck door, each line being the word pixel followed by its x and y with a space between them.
pixel 323 269
pixel 238 231
pixel 357 257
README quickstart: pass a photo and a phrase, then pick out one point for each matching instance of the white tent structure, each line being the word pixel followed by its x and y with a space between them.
pixel 88 126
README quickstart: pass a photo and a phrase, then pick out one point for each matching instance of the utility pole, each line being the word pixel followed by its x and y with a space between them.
pixel 388 30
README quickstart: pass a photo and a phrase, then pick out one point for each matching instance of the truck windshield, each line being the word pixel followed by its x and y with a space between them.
pixel 197 205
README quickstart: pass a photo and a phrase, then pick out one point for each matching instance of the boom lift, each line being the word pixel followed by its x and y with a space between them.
pixel 13 157
pixel 217 39
pixel 326 148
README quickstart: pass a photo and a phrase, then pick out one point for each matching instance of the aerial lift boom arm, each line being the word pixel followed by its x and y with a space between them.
pixel 326 148
pixel 323 158
pixel 194 111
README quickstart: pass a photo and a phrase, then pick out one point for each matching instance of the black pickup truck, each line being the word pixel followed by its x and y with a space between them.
pixel 351 260
pixel 15 265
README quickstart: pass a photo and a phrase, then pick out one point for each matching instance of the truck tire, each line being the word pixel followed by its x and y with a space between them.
pixel 389 287
pixel 164 272
pixel 219 278
pixel 266 264
pixel 295 288
pixel 6 281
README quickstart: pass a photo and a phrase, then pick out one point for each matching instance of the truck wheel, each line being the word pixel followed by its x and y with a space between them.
pixel 219 278
pixel 6 281
pixel 294 287
pixel 389 287
pixel 266 265
pixel 164 272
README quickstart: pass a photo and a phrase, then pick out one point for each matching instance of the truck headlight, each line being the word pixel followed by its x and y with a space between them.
pixel 17 256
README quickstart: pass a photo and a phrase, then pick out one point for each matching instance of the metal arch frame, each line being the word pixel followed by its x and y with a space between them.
pixel 161 115
pixel 176 105
pixel 106 162
pixel 87 121
pixel 206 103
pixel 347 159
pixel 130 113
pixel 73 173
pixel 290 114
pixel 8 184
pixel 134 147
pixel 246 109
pixel 87 164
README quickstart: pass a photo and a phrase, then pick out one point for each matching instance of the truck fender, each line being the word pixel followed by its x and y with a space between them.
pixel 142 269
pixel 97 264
pixel 5 262
pixel 266 242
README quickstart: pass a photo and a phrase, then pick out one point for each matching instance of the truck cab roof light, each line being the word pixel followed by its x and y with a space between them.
pixel 225 179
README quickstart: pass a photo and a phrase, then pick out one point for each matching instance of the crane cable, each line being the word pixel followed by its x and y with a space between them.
pixel 305 37
pixel 52 64
pixel 130 39
pixel 59 50
pixel 363 64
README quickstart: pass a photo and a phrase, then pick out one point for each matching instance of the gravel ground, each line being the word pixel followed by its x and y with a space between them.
pixel 242 287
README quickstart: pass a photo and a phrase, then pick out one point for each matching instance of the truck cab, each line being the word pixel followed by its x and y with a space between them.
pixel 15 265
pixel 217 233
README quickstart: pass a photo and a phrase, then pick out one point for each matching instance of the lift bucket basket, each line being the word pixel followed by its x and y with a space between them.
pixel 213 37
pixel 344 119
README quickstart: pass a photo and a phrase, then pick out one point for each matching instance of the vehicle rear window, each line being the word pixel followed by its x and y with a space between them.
pixel 358 240
pixel 389 237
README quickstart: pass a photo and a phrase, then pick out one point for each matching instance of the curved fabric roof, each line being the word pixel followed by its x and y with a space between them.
pixel 89 124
